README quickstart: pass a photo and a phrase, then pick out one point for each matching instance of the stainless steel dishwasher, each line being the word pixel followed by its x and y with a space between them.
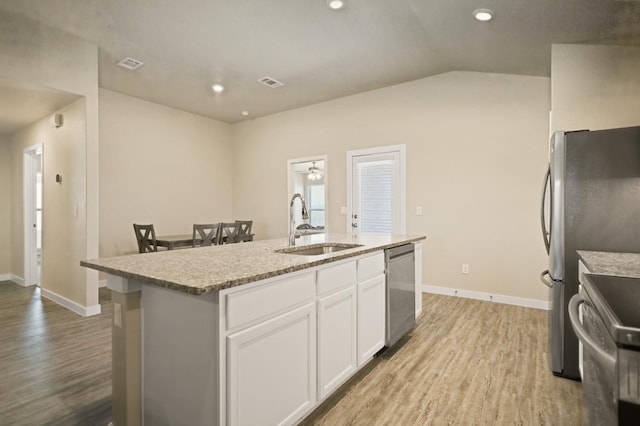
pixel 401 292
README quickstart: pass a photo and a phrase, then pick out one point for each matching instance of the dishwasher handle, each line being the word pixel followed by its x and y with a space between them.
pixel 589 343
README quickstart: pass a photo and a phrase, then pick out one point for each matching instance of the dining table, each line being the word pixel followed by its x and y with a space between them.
pixel 176 241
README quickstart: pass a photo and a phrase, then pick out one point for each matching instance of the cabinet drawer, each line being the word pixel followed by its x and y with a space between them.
pixel 261 302
pixel 335 277
pixel 370 266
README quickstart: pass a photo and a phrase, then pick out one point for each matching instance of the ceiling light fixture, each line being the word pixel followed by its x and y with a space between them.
pixel 314 172
pixel 483 15
pixel 245 113
pixel 218 88
pixel 335 4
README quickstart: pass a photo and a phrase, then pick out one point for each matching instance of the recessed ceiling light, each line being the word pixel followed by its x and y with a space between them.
pixel 218 88
pixel 245 113
pixel 483 14
pixel 335 4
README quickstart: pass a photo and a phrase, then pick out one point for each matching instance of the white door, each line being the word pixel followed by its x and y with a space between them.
pixel 32 197
pixel 376 181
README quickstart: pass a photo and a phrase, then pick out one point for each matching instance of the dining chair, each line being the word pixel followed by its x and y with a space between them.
pixel 228 233
pixel 205 234
pixel 244 232
pixel 146 238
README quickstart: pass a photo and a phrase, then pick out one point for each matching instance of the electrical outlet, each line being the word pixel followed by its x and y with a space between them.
pixel 465 268
pixel 343 210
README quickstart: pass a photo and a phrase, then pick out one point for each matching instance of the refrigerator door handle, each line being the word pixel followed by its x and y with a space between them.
pixel 544 281
pixel 545 232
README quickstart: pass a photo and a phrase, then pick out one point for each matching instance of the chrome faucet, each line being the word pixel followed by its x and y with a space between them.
pixel 305 215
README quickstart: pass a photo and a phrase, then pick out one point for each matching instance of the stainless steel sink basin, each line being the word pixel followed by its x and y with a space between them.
pixel 317 249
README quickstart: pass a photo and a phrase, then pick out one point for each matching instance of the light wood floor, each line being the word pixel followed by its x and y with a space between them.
pixel 55 366
pixel 467 362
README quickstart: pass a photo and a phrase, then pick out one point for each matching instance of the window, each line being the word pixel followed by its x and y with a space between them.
pixel 315 204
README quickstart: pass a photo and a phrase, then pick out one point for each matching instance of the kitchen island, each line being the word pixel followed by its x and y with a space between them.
pixel 244 333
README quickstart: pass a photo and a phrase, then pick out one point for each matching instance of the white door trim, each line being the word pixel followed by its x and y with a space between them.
pixel 290 164
pixel 402 151
pixel 29 170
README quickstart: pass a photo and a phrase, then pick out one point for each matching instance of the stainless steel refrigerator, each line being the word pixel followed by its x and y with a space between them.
pixel 593 187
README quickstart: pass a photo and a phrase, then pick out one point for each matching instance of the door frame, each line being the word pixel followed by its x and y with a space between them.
pixel 290 177
pixel 30 168
pixel 401 149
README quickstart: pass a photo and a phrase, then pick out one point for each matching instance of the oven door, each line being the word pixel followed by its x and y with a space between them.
pixel 599 362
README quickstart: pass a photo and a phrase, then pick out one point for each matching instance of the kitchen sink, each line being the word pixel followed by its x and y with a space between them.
pixel 317 249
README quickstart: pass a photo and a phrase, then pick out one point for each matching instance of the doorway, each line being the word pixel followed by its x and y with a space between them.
pixel 32 196
pixel 308 177
pixel 376 190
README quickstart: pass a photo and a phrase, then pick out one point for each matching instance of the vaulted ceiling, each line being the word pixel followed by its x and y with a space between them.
pixel 318 53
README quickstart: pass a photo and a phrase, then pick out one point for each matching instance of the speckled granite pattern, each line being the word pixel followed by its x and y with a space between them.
pixel 205 269
pixel 608 263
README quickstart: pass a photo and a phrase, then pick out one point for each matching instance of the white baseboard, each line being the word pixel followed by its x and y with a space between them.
pixel 102 283
pixel 70 304
pixel 498 298
pixel 14 278
pixel 18 280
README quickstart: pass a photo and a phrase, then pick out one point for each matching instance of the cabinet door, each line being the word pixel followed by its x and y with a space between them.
pixel 271 370
pixel 418 261
pixel 371 317
pixel 337 345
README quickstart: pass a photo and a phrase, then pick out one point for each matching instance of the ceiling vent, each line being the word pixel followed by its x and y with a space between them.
pixel 271 82
pixel 130 63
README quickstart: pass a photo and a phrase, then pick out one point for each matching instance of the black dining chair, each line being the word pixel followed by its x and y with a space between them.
pixel 244 232
pixel 205 234
pixel 228 233
pixel 146 238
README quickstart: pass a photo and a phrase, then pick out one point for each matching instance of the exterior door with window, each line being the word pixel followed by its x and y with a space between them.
pixel 376 190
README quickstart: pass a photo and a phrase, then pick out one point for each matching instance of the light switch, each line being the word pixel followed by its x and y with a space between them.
pixel 343 210
pixel 75 211
pixel 418 210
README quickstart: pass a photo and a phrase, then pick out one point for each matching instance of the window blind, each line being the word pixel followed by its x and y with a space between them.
pixel 374 195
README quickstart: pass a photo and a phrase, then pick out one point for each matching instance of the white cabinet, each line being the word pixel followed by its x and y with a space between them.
pixel 418 261
pixel 337 334
pixel 271 370
pixel 371 317
pixel 287 343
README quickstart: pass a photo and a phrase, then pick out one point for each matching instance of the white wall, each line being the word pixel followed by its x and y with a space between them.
pixel 36 56
pixel 159 165
pixel 595 87
pixel 5 206
pixel 63 233
pixel 476 154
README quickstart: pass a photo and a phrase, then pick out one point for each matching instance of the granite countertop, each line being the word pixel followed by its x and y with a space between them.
pixel 205 269
pixel 611 263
